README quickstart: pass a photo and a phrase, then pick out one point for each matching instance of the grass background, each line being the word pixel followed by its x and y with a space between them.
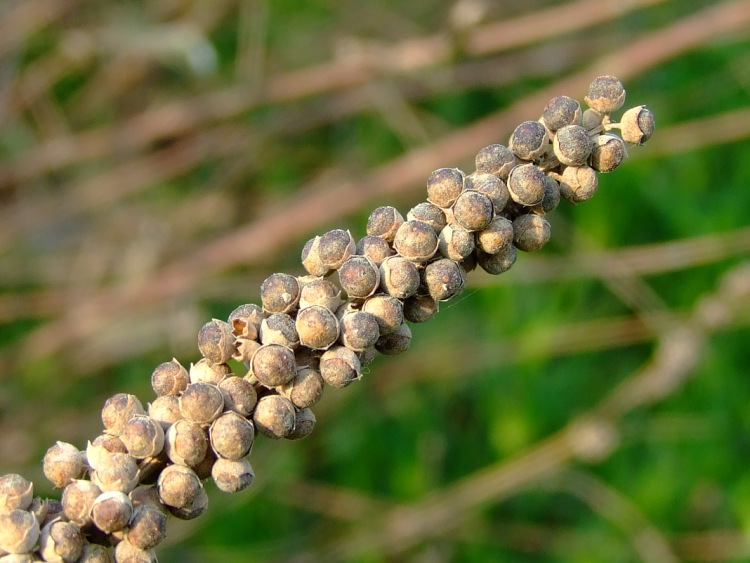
pixel 160 159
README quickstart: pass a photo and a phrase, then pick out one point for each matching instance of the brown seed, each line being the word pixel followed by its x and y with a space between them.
pixel 279 293
pixel 232 476
pixel 279 328
pixel 359 329
pixel 274 416
pixel 60 540
pixel 274 364
pixel 143 436
pixel 335 247
pixel 19 531
pixel 169 378
pixel 189 512
pixel 444 279
pixel 231 436
pixel 529 140
pixel 311 259
pixel 578 183
pixel 186 443
pixel 416 241
pixel 102 445
pixel 201 403
pixel 147 528
pixel 606 94
pixel 388 311
pixel 62 464
pixel 551 198
pixel 637 125
pixel 15 492
pixel 495 159
pixel 455 242
pixel 320 292
pixel 572 145
pixel 420 308
pixel 399 277
pixel 428 213
pixel 111 511
pixel 245 320
pixel 526 184
pixel 318 329
pixel 216 341
pixel 609 151
pixel 245 350
pixel 305 389
pixel 497 236
pixel 473 210
pixel 359 277
pixel 77 499
pixel 178 486
pixel 239 395
pixel 118 409
pixel 531 232
pixel 444 186
pixel 116 472
pixel 561 111
pixel 206 371
pixel 303 425
pixel 384 222
pixel 376 248
pixel 491 186
pixel 340 366
pixel 396 342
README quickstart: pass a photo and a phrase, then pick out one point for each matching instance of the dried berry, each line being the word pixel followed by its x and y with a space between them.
pixel 606 94
pixel 201 402
pixel 335 248
pixel 178 486
pixel 572 145
pixel 232 475
pixel 473 210
pixel 399 277
pixel 495 159
pixel 77 499
pixel 193 510
pixel 148 527
pixel 165 410
pixel 304 424
pixel 169 378
pixel 416 241
pixel 420 308
pixel 444 186
pixel 111 511
pixel 609 151
pixel 19 531
pixel 384 222
pixel 318 329
pixel 245 320
pixel 444 279
pixel 60 541
pixel 116 472
pixel 388 311
pixel 340 366
pixel 637 125
pixel 551 198
pixel 578 183
pixel 561 111
pixel 15 492
pixel 591 120
pixel 526 184
pixel 231 436
pixel 305 389
pixel 396 342
pixel 376 248
pixel 274 416
pixel 529 140
pixel 491 186
pixel 279 293
pixel 498 262
pixel 428 213
pixel 143 436
pixel 359 329
pixel 118 409
pixel 216 341
pixel 320 292
pixel 531 232
pixel 279 328
pixel 239 395
pixel 359 277
pixel 455 242
pixel 497 235
pixel 62 464
pixel 186 443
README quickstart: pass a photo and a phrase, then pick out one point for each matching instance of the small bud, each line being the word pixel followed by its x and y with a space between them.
pixel 125 552
pixel 178 486
pixel 206 371
pixel 359 277
pixel 77 499
pixel 169 378
pixel 60 541
pixel 455 242
pixel 526 184
pixel 420 308
pixel 606 94
pixel 186 443
pixel 101 446
pixel 578 183
pixel 497 236
pixel 311 260
pixel 376 248
pixel 111 511
pixel 495 159
pixel 388 311
pixel 19 531
pixel 194 509
pixel 637 125
pixel 384 222
pixel 399 277
pixel 239 395
pixel 245 320
pixel 444 185
pixel 531 232
pixel 444 279
pixel 561 111
pixel 498 262
pixel 572 145
pixel 529 140
pixel 165 410
pixel 148 527
pixel 202 402
pixel 305 389
pixel 279 328
pixel 15 492
pixel 359 329
pixel 216 341
pixel 317 328
pixel 303 426
pixel 274 416
pixel 491 186
pixel 232 475
pixel 416 241
pixel 116 472
pixel 428 213
pixel 231 436
pixel 473 210
pixel 320 292
pixel 396 342
pixel 609 151
pixel 279 293
pixel 335 248
pixel 118 409
pixel 339 366
pixel 62 464
pixel 143 437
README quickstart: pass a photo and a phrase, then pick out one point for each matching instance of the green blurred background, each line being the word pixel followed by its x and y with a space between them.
pixel 159 159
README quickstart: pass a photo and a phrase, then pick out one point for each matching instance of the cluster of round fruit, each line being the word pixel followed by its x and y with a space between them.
pixel 309 332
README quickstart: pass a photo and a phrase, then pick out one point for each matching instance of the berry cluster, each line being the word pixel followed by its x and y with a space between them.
pixel 309 332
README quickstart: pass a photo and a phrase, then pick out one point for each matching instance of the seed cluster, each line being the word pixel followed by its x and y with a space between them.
pixel 310 332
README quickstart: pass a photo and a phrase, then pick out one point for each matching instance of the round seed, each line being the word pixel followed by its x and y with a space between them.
pixel 637 125
pixel 531 232
pixel 444 279
pixel 495 159
pixel 279 293
pixel 606 94
pixel 444 186
pixel 526 184
pixel 497 236
pixel 498 262
pixel 529 140
pixel 491 186
pixel 339 366
pixel 420 308
pixel 274 364
pixel 359 329
pixel 399 277
pixel 274 416
pixel 572 145
pixel 359 277
pixel 578 183
pixel 561 111
pixel 279 328
pixel 609 151
pixel 169 378
pixel 416 241
pixel 201 403
pixel 335 247
pixel 317 327
pixel 455 242
pixel 428 213
pixel 388 311
pixel 384 222
pixel 376 248
pixel 473 210
pixel 216 341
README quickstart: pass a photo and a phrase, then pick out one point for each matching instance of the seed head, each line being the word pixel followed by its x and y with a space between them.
pixel 572 145
pixel 399 277
pixel 609 151
pixel 526 184
pixel 202 402
pixel 444 185
pixel 143 436
pixel 318 329
pixel 279 293
pixel 529 140
pixel 186 443
pixel 416 241
pixel 335 247
pixel 637 125
pixel 216 341
pixel 60 541
pixel 62 464
pixel 169 378
pixel 376 248
pixel 178 486
pixel 77 499
pixel 359 330
pixel 206 371
pixel 19 531
pixel 274 416
pixel 606 94
pixel 245 320
pixel 578 183
pixel 339 366
pixel 473 210
pixel 396 342
pixel 148 527
pixel 531 232
pixel 239 395
pixel 232 475
pixel 491 186
pixel 279 328
pixel 303 425
pixel 428 213
pixel 495 159
pixel 305 389
pixel 388 311
pixel 455 242
pixel 384 222
pixel 359 277
pixel 15 492
pixel 117 410
pixel 231 436
pixel 444 279
pixel 420 308
pixel 111 511
pixel 561 111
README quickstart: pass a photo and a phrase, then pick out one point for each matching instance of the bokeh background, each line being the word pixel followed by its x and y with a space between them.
pixel 159 159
